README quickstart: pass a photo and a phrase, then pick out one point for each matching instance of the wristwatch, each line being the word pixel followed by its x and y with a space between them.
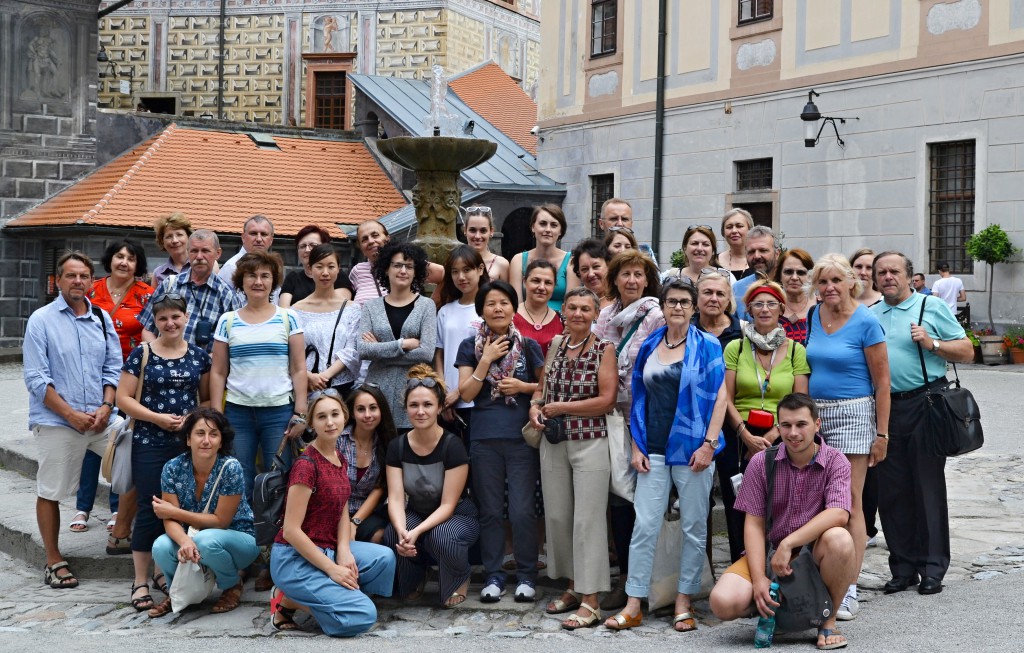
pixel 108 405
pixel 357 521
pixel 536 402
pixel 936 345
pixel 712 442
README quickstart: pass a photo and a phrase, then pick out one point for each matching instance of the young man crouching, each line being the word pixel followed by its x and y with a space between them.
pixel 816 516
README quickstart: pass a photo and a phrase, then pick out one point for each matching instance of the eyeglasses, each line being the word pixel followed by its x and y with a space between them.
pixel 403 266
pixel 308 245
pixel 758 306
pixel 478 210
pixel 789 272
pixel 428 382
pixel 675 302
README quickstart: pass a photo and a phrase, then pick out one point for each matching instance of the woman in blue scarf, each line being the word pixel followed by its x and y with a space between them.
pixel 679 404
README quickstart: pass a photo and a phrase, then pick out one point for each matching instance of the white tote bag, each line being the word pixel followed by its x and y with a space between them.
pixel 193 582
pixel 620 452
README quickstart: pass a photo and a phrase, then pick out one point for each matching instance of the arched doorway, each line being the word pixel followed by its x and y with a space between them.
pixel 515 233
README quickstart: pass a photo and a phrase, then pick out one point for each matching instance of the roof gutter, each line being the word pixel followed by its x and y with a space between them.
pixel 659 128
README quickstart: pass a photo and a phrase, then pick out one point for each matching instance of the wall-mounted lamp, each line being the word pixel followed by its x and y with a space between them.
pixel 810 115
pixel 101 56
pixel 113 70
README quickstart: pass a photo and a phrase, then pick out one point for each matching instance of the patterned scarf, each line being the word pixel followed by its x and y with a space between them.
pixel 769 342
pixel 505 366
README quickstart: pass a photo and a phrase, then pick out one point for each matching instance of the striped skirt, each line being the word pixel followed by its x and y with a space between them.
pixel 848 424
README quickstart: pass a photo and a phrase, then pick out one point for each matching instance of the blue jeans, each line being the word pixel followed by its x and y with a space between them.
pixel 89 483
pixel 258 429
pixel 224 551
pixel 651 500
pixel 341 612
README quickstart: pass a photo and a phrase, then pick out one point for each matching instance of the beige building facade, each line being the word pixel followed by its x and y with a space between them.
pixel 933 144
pixel 285 61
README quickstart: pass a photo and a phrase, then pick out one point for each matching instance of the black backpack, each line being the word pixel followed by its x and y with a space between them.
pixel 270 489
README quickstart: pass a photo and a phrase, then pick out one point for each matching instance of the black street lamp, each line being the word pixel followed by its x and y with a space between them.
pixel 810 116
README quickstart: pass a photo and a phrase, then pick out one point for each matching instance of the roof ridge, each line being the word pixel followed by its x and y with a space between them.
pixel 123 181
pixel 473 69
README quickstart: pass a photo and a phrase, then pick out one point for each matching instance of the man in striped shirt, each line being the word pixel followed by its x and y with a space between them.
pixel 810 507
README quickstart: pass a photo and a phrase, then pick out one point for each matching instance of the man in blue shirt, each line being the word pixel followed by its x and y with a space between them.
pixel 762 254
pixel 72 362
pixel 919 284
pixel 206 294
pixel 912 481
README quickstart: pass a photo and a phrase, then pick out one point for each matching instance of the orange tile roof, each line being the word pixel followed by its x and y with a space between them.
pixel 489 91
pixel 218 179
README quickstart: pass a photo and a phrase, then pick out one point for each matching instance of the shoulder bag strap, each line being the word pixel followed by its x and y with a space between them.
pixel 629 335
pixel 330 352
pixel 553 347
pixel 810 321
pixel 920 350
pixel 769 472
pixel 142 376
pixel 214 488
pixel 98 312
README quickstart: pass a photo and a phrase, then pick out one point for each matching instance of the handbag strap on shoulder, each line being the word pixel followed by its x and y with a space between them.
pixel 213 490
pixel 920 349
pixel 769 473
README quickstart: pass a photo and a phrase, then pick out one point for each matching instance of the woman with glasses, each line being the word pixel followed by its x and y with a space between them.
pixel 862 262
pixel 175 381
pixel 299 284
pixel 762 367
pixel 400 328
pixel 548 226
pixel 316 564
pixel 619 239
pixel 846 349
pixel 479 230
pixel 574 396
pixel 535 318
pixel 499 369
pixel 735 225
pixel 457 319
pixel 364 443
pixel 371 237
pixel 678 372
pixel 330 325
pixel 791 272
pixel 590 263
pixel 700 250
pixel 431 520
pixel 634 314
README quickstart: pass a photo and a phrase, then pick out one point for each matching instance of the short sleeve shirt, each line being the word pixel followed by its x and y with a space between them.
pixel 839 368
pixel 331 490
pixel 494 419
pixel 169 385
pixel 179 478
pixel 259 358
pixel 422 489
pixel 740 359
pixel 904 362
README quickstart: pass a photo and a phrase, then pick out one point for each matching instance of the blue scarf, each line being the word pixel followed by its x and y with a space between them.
pixel 702 375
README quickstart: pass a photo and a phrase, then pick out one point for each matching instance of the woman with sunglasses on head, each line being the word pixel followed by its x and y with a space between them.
pixel 679 404
pixel 457 319
pixel 575 394
pixel 479 230
pixel 330 326
pixel 590 263
pixel 316 564
pixel 299 284
pixel 762 367
pixel 535 317
pixel 438 524
pixel 364 444
pixel 635 313
pixel 203 489
pixel 499 369
pixel 847 350
pixel 371 237
pixel 619 239
pixel 735 225
pixel 548 226
pixel 791 272
pixel 175 381
pixel 400 328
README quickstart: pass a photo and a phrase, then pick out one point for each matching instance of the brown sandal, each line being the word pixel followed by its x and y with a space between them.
pixel 161 609
pixel 229 600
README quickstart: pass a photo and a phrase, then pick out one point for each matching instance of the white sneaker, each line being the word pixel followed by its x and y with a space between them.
pixel 526 592
pixel 492 591
pixel 873 541
pixel 848 610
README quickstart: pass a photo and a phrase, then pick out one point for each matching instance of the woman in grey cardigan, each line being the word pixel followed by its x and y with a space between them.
pixel 399 329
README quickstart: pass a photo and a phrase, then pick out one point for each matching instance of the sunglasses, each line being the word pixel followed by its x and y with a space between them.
pixel 173 296
pixel 709 271
pixel 617 228
pixel 428 382
pixel 789 272
pixel 478 210
pixel 329 392
pixel 694 227
pixel 365 384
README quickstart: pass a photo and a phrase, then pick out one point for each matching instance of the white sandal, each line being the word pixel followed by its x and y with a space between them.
pixel 112 523
pixel 80 525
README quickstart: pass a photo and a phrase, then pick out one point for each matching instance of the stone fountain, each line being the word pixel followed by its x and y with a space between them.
pixel 437 161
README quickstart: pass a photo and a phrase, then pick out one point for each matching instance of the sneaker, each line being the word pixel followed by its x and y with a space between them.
pixel 526 592
pixel 873 541
pixel 848 609
pixel 493 590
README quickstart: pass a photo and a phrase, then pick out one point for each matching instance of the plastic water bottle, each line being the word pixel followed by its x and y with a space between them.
pixel 766 625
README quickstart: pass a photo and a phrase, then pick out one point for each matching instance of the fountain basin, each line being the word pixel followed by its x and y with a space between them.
pixel 436 153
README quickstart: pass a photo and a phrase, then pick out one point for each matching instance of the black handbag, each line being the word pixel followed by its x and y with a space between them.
pixel 803 597
pixel 952 416
pixel 554 429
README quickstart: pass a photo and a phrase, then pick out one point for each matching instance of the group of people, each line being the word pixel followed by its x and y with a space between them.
pixel 412 412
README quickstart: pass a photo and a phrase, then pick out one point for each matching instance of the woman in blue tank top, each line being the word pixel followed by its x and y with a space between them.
pixel 548 226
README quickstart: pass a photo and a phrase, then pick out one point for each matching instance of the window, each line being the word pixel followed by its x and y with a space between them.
pixel 755 10
pixel 755 174
pixel 329 101
pixel 603 25
pixel 951 204
pixel 602 188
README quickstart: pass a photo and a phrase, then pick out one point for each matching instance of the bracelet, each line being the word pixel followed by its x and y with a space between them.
pixel 741 425
pixel 108 405
pixel 476 378
pixel 884 436
pixel 536 402
pixel 297 419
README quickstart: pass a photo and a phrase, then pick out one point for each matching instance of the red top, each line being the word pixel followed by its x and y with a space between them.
pixel 126 317
pixel 543 337
pixel 331 490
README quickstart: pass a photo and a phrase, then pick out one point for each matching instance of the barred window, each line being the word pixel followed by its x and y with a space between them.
pixel 755 174
pixel 755 10
pixel 329 101
pixel 951 204
pixel 603 26
pixel 602 188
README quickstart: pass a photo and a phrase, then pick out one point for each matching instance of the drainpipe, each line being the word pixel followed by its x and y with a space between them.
pixel 220 62
pixel 659 129
pixel 112 8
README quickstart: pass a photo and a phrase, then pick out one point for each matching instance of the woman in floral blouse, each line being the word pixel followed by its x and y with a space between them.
pixel 203 488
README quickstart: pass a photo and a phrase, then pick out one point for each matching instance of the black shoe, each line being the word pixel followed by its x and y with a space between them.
pixel 900 583
pixel 930 585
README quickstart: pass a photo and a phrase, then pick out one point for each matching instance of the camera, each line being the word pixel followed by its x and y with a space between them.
pixel 203 332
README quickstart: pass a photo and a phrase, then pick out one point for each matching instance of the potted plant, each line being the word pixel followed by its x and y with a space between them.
pixel 1014 341
pixel 991 348
pixel 991 245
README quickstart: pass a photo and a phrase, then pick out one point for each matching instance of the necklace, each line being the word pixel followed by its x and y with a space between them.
pixel 537 324
pixel 673 345
pixel 577 345
pixel 795 313
pixel 119 293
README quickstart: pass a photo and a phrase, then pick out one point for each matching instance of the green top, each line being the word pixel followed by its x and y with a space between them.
pixel 748 392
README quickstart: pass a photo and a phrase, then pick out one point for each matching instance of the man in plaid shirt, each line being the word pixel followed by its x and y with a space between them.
pixel 810 507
